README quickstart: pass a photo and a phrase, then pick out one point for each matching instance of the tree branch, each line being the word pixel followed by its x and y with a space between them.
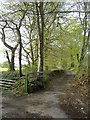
pixel 3 40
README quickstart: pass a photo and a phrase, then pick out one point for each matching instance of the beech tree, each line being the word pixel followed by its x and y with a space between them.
pixel 40 25
pixel 14 20
pixel 11 61
pixel 84 24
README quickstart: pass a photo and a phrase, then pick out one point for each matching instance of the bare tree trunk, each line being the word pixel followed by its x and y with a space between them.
pixel 36 51
pixel 12 49
pixel 84 47
pixel 40 23
pixel 32 55
pixel 88 41
pixel 12 60
pixel 9 63
pixel 46 54
pixel 20 51
pixel 42 38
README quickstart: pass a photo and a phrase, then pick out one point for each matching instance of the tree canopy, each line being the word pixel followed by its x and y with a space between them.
pixel 45 34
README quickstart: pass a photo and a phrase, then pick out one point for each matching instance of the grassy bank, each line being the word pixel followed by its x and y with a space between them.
pixel 3 69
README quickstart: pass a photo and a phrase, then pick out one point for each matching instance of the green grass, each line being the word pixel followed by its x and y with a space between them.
pixel 3 69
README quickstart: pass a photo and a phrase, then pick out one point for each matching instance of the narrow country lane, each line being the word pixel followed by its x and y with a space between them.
pixel 42 104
